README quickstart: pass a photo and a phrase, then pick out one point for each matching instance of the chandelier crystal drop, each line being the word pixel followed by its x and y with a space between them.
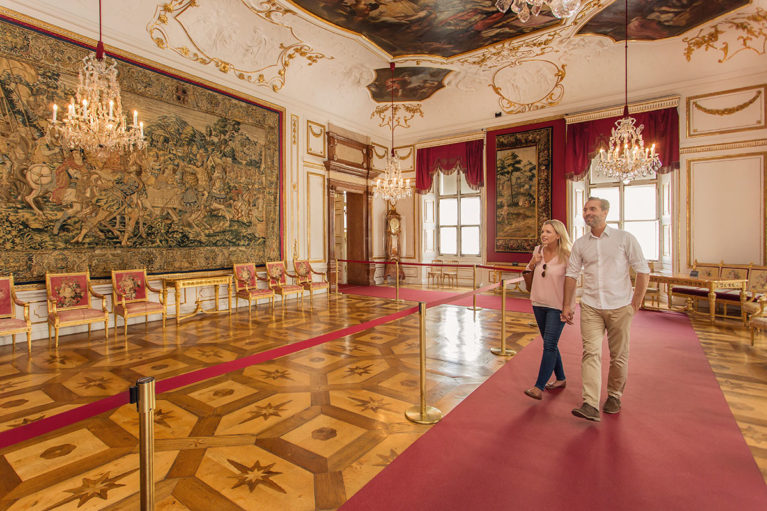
pixel 525 8
pixel 627 158
pixel 94 119
pixel 392 186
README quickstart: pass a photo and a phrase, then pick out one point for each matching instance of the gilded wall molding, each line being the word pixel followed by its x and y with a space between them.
pixel 729 146
pixel 549 79
pixel 720 117
pixel 168 31
pixel 315 139
pixel 747 31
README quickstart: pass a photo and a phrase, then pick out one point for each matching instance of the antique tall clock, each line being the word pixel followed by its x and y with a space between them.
pixel 392 246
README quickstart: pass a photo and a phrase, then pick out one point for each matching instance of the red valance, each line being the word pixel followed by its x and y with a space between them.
pixel 584 139
pixel 465 157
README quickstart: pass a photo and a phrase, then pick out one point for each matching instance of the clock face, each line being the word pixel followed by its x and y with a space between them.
pixel 394 224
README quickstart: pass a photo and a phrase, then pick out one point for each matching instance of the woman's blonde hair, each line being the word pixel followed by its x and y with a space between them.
pixel 564 244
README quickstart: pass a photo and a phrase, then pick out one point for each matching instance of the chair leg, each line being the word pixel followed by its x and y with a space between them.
pixel 56 328
pixel 125 326
pixel 249 314
pixel 106 326
pixel 49 334
pixel 164 313
pixel 29 341
pixel 13 340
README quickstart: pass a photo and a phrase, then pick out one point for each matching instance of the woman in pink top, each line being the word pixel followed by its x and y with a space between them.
pixel 548 266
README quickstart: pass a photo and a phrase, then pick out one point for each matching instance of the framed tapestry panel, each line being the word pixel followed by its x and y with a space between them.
pixel 206 192
pixel 525 180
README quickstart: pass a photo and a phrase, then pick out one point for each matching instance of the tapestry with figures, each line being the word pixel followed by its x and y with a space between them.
pixel 206 191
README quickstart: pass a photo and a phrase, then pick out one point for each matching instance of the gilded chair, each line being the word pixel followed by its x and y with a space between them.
pixel 304 273
pixel 9 324
pixel 450 273
pixel 276 276
pixel 246 285
pixel 130 300
pixel 434 273
pixel 69 302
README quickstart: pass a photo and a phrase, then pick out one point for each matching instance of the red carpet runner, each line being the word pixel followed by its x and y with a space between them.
pixel 675 445
pixel 423 295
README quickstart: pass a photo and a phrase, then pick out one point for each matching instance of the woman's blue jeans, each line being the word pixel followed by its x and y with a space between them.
pixel 551 328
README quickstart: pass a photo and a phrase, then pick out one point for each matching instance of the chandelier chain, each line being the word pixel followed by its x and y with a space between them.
pixel 626 157
pixel 392 187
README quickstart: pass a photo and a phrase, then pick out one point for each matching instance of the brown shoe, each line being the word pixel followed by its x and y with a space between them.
pixel 534 392
pixel 612 405
pixel 588 412
pixel 558 384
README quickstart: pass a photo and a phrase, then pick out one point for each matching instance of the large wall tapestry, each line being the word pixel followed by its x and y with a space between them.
pixel 522 188
pixel 205 193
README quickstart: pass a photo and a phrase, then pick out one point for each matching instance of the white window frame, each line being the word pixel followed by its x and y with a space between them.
pixel 458 176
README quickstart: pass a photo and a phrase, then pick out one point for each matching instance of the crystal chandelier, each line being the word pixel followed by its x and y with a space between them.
pixel 94 120
pixel 392 187
pixel 524 8
pixel 627 158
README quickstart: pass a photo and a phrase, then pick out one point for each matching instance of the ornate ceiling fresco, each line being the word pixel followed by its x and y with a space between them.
pixel 657 19
pixel 442 28
pixel 457 61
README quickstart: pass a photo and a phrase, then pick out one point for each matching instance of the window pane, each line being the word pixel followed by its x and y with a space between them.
pixel 470 240
pixel 464 185
pixel 639 202
pixel 612 195
pixel 448 184
pixel 447 240
pixel 448 211
pixel 647 235
pixel 470 212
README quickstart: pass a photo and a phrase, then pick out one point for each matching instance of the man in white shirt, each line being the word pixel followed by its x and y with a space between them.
pixel 607 303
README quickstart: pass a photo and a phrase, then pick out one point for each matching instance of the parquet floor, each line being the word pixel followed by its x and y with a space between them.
pixel 302 432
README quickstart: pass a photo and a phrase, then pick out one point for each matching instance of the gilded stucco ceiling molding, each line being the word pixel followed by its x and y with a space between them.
pixel 743 31
pixel 274 40
pixel 403 114
pixel 522 79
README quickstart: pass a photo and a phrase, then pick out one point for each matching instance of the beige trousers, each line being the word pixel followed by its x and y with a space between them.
pixel 594 322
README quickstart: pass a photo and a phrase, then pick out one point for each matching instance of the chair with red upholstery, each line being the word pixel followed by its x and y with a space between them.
pixel 130 298
pixel 9 323
pixel 304 272
pixel 69 302
pixel 246 285
pixel 276 276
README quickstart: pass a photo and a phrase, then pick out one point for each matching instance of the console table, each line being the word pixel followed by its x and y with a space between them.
pixel 179 283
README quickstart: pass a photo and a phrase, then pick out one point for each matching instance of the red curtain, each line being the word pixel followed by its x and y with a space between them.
pixel 584 140
pixel 465 157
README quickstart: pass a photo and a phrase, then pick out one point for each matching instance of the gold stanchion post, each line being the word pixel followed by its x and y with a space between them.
pixel 396 279
pixel 423 414
pixel 503 351
pixel 338 292
pixel 143 394
pixel 474 286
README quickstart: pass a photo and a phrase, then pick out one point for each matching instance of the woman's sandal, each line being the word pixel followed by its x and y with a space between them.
pixel 558 384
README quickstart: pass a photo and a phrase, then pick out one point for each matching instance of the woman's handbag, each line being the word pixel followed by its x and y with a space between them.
pixel 528 276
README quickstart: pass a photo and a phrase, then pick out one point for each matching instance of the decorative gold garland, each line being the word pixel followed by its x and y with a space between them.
pixel 318 134
pixel 727 111
pixel 751 26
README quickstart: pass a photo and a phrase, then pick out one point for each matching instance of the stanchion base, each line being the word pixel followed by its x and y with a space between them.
pixel 475 308
pixel 432 415
pixel 502 353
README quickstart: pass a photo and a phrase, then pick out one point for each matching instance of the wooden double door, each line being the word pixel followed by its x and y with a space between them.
pixel 350 231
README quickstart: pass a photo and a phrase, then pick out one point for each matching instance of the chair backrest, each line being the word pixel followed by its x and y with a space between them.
pixel 303 270
pixel 68 290
pixel 275 273
pixel 735 272
pixel 7 310
pixel 436 269
pixel 757 280
pixel 707 269
pixel 452 270
pixel 245 272
pixel 129 284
